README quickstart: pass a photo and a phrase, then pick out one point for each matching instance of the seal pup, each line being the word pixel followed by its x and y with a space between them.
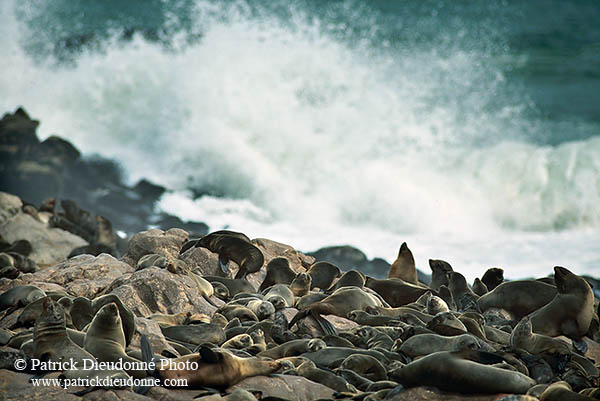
pixel 294 348
pixel 280 295
pixel 105 339
pixel 278 272
pixel 492 278
pixel 479 287
pixel 215 368
pixel 404 266
pixel 323 274
pixel 523 337
pixel 340 303
pixel 234 286
pixel 458 372
pixel 234 246
pixel 570 312
pixel 518 297
pixel 439 272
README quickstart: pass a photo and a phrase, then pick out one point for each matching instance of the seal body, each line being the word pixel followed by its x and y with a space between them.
pixel 404 266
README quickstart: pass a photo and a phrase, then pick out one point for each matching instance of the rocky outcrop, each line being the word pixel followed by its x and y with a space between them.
pixel 156 290
pixel 165 243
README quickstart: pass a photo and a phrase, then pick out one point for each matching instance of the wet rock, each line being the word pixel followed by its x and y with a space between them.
pixel 156 290
pixel 165 243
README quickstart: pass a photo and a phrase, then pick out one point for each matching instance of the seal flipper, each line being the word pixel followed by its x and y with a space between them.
pixel 210 301
pixel 324 324
pixel 580 346
pixel 300 315
pixel 241 274
pixel 208 355
pixel 224 263
pixel 148 358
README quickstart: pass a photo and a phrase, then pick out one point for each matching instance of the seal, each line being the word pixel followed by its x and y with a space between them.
pixel 425 344
pixel 364 318
pixel 300 286
pixel 396 292
pixel 352 278
pixel 340 303
pixel 479 288
pixel 456 372
pixel 404 266
pixel 19 296
pixel 278 272
pixel 323 274
pixel 463 296
pixel 294 348
pixel 262 309
pixel 446 295
pixel 195 333
pixel 238 342
pixel 570 312
pixel 106 341
pixel 446 324
pixel 518 297
pixel 280 295
pixel 366 366
pixel 234 246
pixel 310 371
pixel 234 286
pixel 522 337
pixel 492 278
pixel 81 312
pixel 216 368
pixel 561 391
pixel 127 317
pixel 439 271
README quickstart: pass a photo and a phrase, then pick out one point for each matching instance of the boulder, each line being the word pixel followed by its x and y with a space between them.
pixel 16 386
pixel 294 388
pixel 85 275
pixel 49 245
pixel 203 261
pixel 151 330
pixel 165 243
pixel 10 206
pixel 156 290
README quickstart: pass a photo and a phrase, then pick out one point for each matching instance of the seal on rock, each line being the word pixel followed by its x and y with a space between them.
pixel 234 246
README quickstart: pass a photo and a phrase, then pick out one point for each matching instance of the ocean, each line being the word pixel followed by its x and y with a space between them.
pixel 470 130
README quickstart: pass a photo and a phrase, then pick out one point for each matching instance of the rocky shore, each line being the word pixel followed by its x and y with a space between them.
pixel 294 326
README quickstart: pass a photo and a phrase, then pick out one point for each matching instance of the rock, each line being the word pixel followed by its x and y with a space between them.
pixel 196 229
pixel 49 245
pixel 203 261
pixel 309 326
pixel 165 243
pixel 24 279
pixel 433 394
pixel 152 331
pixel 8 356
pixel 288 387
pixel 85 275
pixel 10 206
pixel 272 249
pixel 156 290
pixel 15 386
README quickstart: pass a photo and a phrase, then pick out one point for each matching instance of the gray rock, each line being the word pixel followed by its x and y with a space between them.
pixel 293 388
pixel 165 243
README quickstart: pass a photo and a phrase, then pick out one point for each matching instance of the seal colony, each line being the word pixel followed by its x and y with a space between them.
pixel 363 338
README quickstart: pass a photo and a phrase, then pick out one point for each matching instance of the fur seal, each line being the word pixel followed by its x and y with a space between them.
pixel 216 368
pixel 234 286
pixel 300 285
pixel 234 246
pixel 571 310
pixel 262 309
pixel 231 311
pixel 20 296
pixel 309 370
pixel 436 305
pixel 479 287
pixel 365 318
pixel 332 357
pixel 294 348
pixel 106 341
pixel 396 292
pixel 323 274
pixel 518 297
pixel 238 342
pixel 127 317
pixel 278 272
pixel 446 324
pixel 562 391
pixel 463 296
pixel 424 344
pixel 340 303
pixel 404 266
pixel 457 372
pixel 439 271
pixel 522 337
pixel 446 295
pixel 366 366
pixel 351 278
pixel 280 295
pixel 492 278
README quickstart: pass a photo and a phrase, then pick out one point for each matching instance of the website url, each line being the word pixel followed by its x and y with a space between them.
pixel 107 382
